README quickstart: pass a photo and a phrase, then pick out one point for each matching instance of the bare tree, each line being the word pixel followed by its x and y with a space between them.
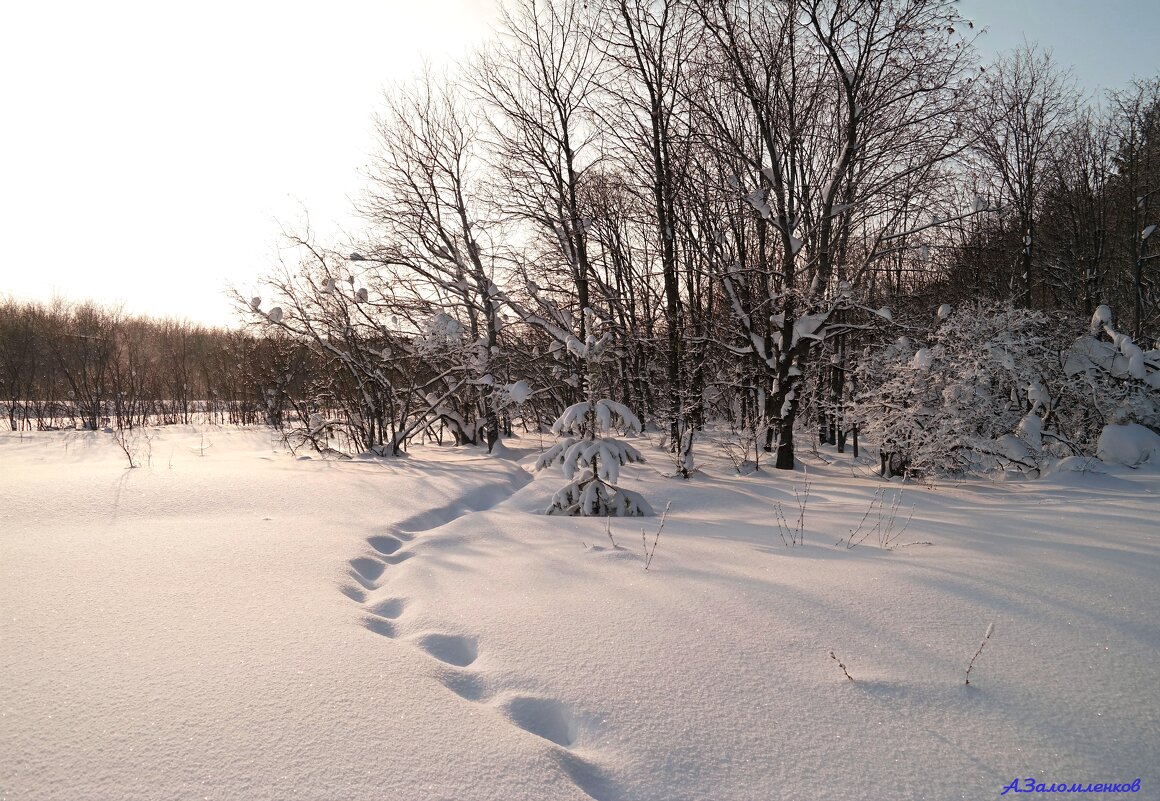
pixel 85 351
pixel 854 106
pixel 649 115
pixel 1026 107
pixel 22 360
pixel 1136 125
pixel 1076 216
pixel 433 236
pixel 538 83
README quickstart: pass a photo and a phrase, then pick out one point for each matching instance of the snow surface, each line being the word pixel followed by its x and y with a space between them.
pixel 232 622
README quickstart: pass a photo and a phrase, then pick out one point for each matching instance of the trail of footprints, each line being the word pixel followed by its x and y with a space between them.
pixel 546 718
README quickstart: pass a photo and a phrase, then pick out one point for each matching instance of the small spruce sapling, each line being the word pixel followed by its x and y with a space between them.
pixel 591 462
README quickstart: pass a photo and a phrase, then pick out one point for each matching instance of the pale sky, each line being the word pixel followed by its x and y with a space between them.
pixel 149 152
pixel 1105 42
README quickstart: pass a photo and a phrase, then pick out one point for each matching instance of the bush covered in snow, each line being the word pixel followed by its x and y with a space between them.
pixel 1119 381
pixel 971 396
pixel 1130 445
pixel 996 387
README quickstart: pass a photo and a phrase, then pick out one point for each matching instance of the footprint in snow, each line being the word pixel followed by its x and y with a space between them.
pixel 479 499
pixel 366 571
pixel 546 718
pixel 543 717
pixel 453 649
pixel 354 593
pixel 465 684
pixel 591 780
pixel 385 544
pixel 378 625
pixel 391 608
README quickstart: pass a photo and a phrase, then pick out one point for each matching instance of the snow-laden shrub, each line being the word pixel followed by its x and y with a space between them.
pixel 467 396
pixel 441 333
pixel 1130 445
pixel 972 396
pixel 993 386
pixel 1120 379
pixel 589 457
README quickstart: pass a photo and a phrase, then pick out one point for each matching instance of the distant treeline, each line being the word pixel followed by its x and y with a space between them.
pixel 91 367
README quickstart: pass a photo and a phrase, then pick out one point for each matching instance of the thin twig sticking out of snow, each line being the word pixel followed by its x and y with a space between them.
pixel 649 554
pixel 843 667
pixel 986 637
pixel 884 526
pixel 608 531
pixel 797 535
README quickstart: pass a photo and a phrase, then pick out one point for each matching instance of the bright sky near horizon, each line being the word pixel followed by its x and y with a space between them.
pixel 151 152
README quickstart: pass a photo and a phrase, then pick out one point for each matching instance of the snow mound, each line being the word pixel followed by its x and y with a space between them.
pixel 1130 445
pixel 1078 464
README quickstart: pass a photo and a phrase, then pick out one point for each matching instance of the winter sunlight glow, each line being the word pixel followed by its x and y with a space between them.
pixel 150 150
pixel 151 153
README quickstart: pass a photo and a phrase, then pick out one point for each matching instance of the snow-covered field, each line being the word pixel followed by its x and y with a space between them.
pixel 231 622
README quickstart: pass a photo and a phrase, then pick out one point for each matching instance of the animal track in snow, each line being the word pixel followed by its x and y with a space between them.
pixel 450 648
pixel 367 571
pixel 590 779
pixel 546 718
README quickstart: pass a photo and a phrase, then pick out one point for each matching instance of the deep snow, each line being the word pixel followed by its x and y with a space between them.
pixel 231 622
